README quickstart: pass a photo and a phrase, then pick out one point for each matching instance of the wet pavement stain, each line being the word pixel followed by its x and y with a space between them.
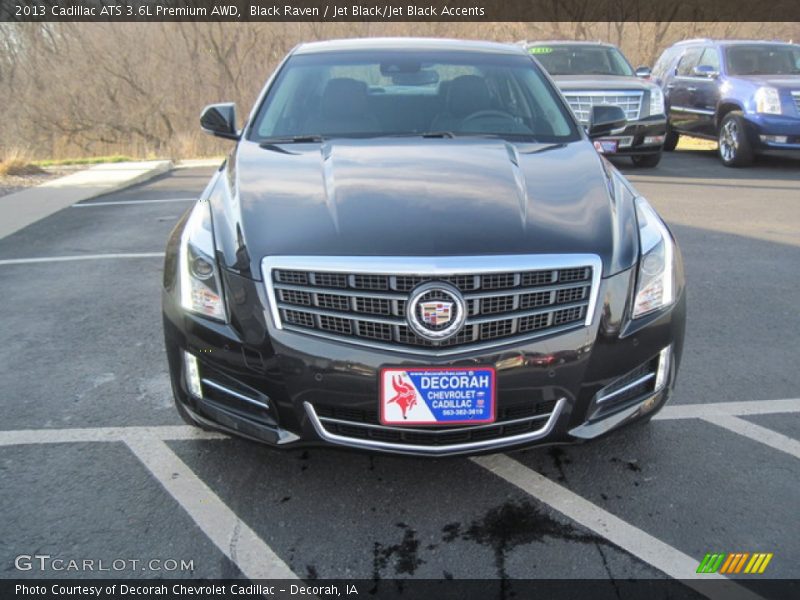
pixel 631 464
pixel 559 460
pixel 513 524
pixel 404 555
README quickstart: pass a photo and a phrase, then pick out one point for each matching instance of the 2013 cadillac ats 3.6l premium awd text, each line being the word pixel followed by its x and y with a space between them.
pixel 415 248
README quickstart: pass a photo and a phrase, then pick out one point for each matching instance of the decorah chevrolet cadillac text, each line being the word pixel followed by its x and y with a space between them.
pixel 415 248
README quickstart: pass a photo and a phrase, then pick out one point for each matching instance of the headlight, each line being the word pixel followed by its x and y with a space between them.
pixel 201 288
pixel 656 101
pixel 655 287
pixel 768 101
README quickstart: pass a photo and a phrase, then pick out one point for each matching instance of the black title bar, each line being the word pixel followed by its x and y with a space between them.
pixel 400 10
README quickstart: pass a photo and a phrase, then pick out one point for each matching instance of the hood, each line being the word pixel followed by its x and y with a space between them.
pixel 790 82
pixel 600 82
pixel 417 197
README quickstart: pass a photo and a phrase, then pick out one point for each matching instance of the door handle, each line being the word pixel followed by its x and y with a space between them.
pixel 691 89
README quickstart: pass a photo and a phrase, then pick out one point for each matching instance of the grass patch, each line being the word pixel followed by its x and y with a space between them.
pixel 16 167
pixel 689 143
pixel 94 160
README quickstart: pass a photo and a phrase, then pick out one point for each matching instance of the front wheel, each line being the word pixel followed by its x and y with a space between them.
pixel 646 160
pixel 734 147
pixel 671 140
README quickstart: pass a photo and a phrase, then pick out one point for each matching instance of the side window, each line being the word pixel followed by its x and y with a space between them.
pixel 710 58
pixel 688 61
pixel 660 68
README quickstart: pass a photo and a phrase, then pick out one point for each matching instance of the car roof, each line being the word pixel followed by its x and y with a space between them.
pixel 406 43
pixel 568 43
pixel 731 42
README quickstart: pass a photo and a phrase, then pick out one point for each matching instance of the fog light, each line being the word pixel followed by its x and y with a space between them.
pixel 775 139
pixel 664 358
pixel 192 371
pixel 651 140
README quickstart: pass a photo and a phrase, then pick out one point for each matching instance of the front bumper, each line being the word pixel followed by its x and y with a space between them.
pixel 640 138
pixel 288 389
pixel 767 132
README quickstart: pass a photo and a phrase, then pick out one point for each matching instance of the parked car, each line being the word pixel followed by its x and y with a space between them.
pixel 591 74
pixel 415 248
pixel 743 94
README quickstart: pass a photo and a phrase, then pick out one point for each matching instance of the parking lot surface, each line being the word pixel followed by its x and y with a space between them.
pixel 95 463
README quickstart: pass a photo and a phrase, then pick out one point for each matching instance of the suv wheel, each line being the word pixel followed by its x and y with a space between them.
pixel 671 140
pixel 647 160
pixel 734 147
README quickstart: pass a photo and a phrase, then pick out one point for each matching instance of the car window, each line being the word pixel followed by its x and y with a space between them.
pixel 763 59
pixel 710 58
pixel 383 93
pixel 665 62
pixel 581 59
pixel 688 61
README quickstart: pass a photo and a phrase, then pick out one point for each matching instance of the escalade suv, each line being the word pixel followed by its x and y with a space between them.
pixel 592 73
pixel 415 248
pixel 743 94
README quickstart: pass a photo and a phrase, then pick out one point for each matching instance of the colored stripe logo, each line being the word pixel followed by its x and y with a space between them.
pixel 735 563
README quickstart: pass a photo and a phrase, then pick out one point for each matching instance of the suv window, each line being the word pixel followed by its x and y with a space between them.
pixel 710 58
pixel 763 59
pixel 688 60
pixel 665 62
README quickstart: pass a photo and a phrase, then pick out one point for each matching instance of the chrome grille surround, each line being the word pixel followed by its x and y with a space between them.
pixel 384 438
pixel 582 102
pixel 796 96
pixel 548 294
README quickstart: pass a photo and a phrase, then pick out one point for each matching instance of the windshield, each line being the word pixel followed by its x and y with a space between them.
pixel 398 93
pixel 763 59
pixel 581 59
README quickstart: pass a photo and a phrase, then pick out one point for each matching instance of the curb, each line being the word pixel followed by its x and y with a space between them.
pixel 25 207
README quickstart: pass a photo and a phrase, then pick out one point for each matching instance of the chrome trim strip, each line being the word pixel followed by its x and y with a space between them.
pixel 431 266
pixel 235 394
pixel 350 316
pixel 432 351
pixel 694 111
pixel 521 314
pixel 522 438
pixel 448 430
pixel 491 318
pixel 625 388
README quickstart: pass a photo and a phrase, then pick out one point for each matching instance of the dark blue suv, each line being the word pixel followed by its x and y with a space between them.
pixel 743 94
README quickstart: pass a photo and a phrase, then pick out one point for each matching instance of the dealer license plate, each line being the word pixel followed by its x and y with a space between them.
pixel 437 395
pixel 606 146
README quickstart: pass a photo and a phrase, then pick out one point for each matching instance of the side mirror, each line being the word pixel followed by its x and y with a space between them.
pixel 220 120
pixel 644 72
pixel 705 71
pixel 604 119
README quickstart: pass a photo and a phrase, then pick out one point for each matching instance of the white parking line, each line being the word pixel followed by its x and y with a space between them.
pixel 713 409
pixel 257 560
pixel 771 438
pixel 47 259
pixel 640 544
pixel 228 532
pixel 104 434
pixel 121 202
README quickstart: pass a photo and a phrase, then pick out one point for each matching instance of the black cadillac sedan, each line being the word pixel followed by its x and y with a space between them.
pixel 415 248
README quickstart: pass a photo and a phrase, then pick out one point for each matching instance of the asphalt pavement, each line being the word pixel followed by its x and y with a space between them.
pixel 96 464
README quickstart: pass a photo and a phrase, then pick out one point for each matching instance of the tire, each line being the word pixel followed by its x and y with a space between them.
pixel 671 140
pixel 735 149
pixel 647 160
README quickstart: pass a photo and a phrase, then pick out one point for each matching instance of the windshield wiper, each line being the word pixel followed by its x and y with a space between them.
pixel 423 134
pixel 292 139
